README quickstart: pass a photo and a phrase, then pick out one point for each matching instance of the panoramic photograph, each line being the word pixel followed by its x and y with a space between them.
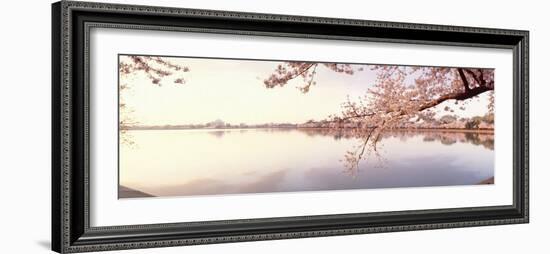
pixel 211 126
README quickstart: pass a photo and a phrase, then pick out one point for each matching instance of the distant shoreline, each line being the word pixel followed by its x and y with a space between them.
pixel 312 128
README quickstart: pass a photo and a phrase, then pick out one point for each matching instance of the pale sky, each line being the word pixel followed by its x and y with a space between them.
pixel 233 91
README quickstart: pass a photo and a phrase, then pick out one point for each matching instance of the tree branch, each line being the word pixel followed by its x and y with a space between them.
pixel 460 96
pixel 464 79
pixel 303 71
pixel 477 77
pixel 430 104
pixel 305 88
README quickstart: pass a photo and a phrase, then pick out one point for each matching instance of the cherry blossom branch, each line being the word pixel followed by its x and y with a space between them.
pixel 155 68
pixel 288 71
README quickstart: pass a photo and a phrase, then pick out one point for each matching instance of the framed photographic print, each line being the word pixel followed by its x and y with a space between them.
pixel 181 126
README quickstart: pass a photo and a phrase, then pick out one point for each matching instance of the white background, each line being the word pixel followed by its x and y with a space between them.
pixel 25 129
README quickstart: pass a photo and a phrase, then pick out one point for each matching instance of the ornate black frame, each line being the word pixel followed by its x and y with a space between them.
pixel 71 22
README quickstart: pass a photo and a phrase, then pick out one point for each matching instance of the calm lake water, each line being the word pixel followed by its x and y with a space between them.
pixel 207 162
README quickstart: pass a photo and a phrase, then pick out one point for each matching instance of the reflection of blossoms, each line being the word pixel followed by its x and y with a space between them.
pixel 445 137
pixel 485 139
pixel 354 156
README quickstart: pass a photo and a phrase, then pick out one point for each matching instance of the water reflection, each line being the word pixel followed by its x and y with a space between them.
pixel 207 162
pixel 445 137
pixel 217 133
